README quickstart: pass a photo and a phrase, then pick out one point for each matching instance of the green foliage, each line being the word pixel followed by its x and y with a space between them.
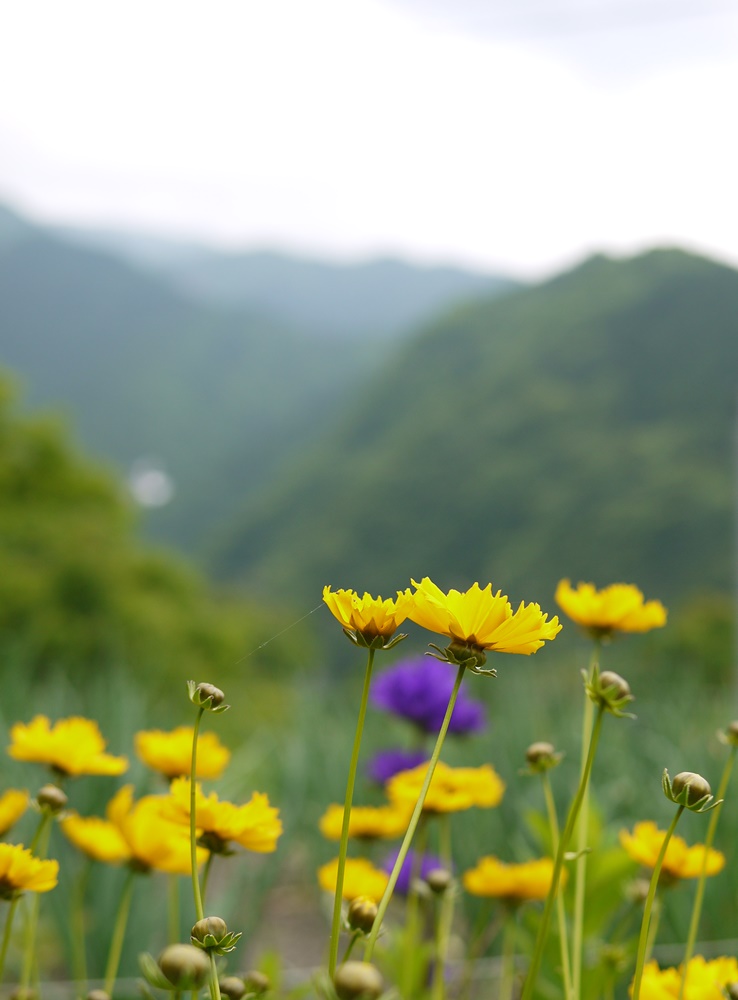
pixel 78 591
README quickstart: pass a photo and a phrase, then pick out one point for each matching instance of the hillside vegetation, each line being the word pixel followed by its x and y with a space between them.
pixel 582 428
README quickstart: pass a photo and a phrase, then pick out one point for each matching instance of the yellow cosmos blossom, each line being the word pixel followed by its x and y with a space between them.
pixel 681 861
pixel 366 822
pixel 452 789
pixel 255 825
pixel 98 838
pixel 20 872
pixel 481 619
pixel 71 746
pixel 13 804
pixel 618 608
pixel 705 980
pixel 494 878
pixel 170 753
pixel 370 617
pixel 153 838
pixel 360 878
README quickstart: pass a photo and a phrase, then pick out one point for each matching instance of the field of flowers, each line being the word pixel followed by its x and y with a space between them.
pixel 462 867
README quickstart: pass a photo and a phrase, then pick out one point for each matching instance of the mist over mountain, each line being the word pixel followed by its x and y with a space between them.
pixel 581 428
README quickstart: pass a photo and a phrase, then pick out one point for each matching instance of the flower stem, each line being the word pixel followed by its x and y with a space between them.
pixel 350 946
pixel 119 932
pixel 580 870
pixel 535 964
pixel 700 891
pixel 412 914
pixel 206 876
pixel 643 939
pixel 348 801
pixel 507 973
pixel 200 913
pixel 214 983
pixel 445 916
pixel 414 819
pixel 40 843
pixel 77 920
pixel 6 934
pixel 560 912
pixel 173 909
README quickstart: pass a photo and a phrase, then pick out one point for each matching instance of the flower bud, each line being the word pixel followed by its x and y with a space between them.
pixel 730 736
pixel 212 934
pixel 438 879
pixel 608 690
pixel 541 756
pixel 621 688
pixel 98 995
pixel 697 787
pixel 232 987
pixel 214 926
pixel 257 982
pixel 206 696
pixel 731 991
pixel 637 890
pixel 355 980
pixel 362 912
pixel 51 797
pixel 185 966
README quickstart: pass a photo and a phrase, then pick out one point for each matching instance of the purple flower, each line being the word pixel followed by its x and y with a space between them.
pixel 412 867
pixel 387 763
pixel 418 690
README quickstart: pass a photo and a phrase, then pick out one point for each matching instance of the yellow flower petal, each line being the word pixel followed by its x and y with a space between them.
pixel 20 871
pixel 618 608
pixel 452 789
pixel 13 804
pixel 255 826
pixel 680 861
pixel 494 878
pixel 360 878
pixel 372 617
pixel 98 838
pixel 170 753
pixel 71 746
pixel 366 822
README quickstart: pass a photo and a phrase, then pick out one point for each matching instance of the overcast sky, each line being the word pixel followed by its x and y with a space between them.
pixel 516 135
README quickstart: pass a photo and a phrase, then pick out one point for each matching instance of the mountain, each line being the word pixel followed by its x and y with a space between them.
pixel 581 428
pixel 382 298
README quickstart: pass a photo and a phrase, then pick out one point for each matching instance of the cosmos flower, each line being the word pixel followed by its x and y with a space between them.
pixel 644 843
pixel 386 763
pixel 256 825
pixel 71 746
pixel 360 878
pixel 452 789
pixel 618 608
pixel 170 753
pixel 414 866
pixel 705 980
pixel 372 619
pixel 366 822
pixel 418 689
pixel 480 619
pixel 13 804
pixel 21 872
pixel 514 882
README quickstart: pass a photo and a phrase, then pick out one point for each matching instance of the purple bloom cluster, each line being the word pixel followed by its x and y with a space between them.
pixel 412 867
pixel 418 689
pixel 387 763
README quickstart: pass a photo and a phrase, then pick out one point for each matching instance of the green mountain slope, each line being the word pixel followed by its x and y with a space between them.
pixel 218 396
pixel 582 428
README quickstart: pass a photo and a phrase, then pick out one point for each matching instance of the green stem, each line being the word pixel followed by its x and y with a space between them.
pixel 481 939
pixel 535 964
pixel 560 911
pixel 507 976
pixel 653 927
pixel 700 891
pixel 200 913
pixel 446 915
pixel 348 801
pixel 412 914
pixel 214 984
pixel 643 939
pixel 6 934
pixel 414 819
pixel 350 946
pixel 173 909
pixel 78 929
pixel 206 875
pixel 119 932
pixel 580 870
pixel 40 843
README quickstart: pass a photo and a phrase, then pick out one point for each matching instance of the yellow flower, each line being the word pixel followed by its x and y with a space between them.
pixel 366 822
pixel 492 877
pixel 98 838
pixel 681 861
pixel 372 618
pixel 71 746
pixel 170 753
pixel 481 619
pixel 452 789
pixel 13 804
pixel 360 878
pixel 153 838
pixel 704 981
pixel 617 608
pixel 20 872
pixel 255 825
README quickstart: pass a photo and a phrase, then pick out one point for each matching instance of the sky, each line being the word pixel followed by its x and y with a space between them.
pixel 515 136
